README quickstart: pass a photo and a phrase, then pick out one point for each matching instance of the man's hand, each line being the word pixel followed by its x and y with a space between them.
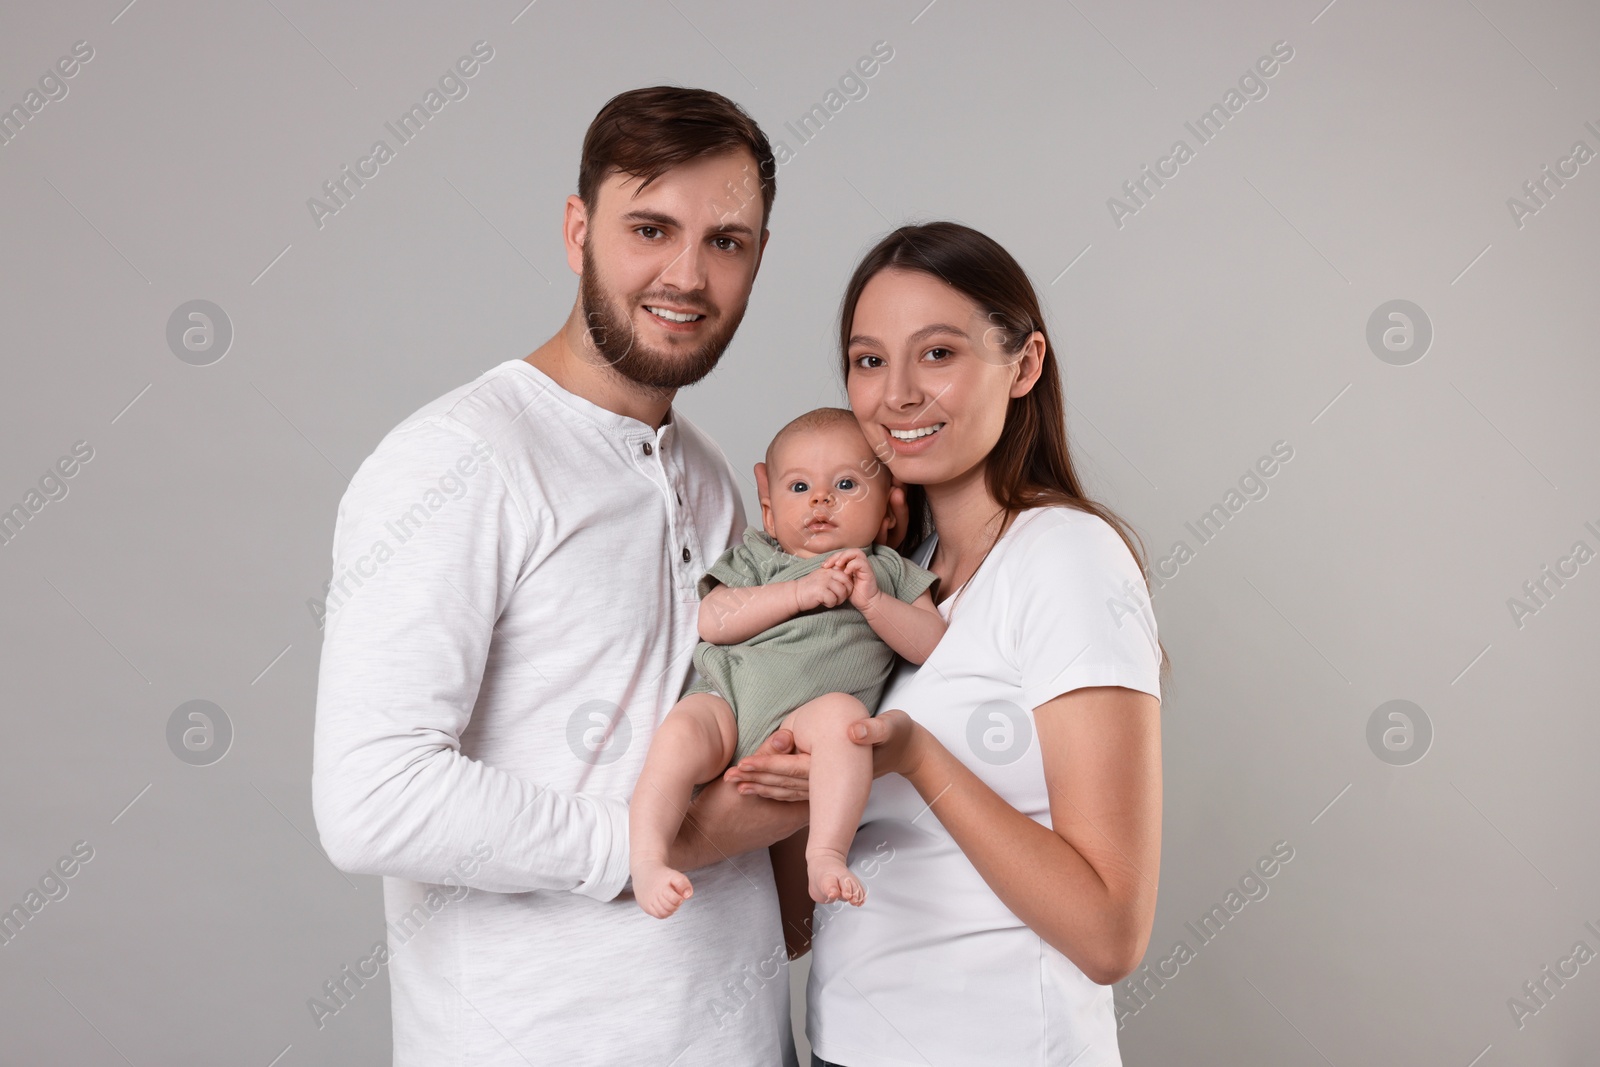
pixel 771 771
pixel 774 770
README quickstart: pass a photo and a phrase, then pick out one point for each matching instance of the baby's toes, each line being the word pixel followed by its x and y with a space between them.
pixel 851 889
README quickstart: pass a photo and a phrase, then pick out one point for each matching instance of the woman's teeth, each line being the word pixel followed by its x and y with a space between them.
pixel 673 316
pixel 912 435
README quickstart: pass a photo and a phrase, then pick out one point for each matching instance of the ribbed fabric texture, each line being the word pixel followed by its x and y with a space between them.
pixel 824 650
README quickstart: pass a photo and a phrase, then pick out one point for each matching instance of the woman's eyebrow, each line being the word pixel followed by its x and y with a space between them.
pixel 922 334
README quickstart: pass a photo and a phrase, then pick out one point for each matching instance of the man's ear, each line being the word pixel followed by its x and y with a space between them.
pixel 575 231
pixel 764 495
pixel 761 251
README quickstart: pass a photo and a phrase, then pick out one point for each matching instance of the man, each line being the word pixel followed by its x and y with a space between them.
pixel 513 612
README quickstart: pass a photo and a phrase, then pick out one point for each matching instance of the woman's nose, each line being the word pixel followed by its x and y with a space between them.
pixel 901 390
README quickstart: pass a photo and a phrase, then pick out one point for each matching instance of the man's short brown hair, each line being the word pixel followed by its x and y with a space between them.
pixel 647 132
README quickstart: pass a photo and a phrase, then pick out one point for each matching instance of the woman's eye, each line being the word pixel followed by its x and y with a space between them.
pixel 946 351
pixel 861 361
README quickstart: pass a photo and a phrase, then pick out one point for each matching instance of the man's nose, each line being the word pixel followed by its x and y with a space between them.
pixel 686 271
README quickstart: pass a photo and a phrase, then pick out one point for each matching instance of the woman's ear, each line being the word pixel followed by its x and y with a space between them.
pixel 1029 365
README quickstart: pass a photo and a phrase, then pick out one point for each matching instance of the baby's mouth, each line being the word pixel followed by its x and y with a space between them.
pixel 817 525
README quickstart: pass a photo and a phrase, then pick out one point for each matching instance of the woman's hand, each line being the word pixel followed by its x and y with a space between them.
pixel 898 742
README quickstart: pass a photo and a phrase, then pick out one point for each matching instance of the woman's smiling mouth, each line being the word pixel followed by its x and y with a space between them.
pixel 914 439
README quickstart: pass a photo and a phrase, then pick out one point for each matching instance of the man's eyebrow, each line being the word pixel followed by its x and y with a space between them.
pixel 656 218
pixel 922 334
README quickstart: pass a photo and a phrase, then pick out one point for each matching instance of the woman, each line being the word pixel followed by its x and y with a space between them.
pixel 1011 857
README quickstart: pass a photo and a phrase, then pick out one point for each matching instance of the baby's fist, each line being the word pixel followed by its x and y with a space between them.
pixel 825 587
pixel 864 584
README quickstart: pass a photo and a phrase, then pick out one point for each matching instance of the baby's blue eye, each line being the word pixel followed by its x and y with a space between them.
pixel 798 487
pixel 847 484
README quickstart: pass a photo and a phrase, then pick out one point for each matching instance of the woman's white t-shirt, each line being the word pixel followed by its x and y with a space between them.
pixel 933 968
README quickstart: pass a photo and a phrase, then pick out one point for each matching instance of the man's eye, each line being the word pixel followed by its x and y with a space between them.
pixel 641 231
pixel 731 246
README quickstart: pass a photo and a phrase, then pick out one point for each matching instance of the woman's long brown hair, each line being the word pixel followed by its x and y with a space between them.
pixel 1030 465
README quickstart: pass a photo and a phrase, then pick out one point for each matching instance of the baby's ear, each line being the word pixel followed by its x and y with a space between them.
pixel 891 519
pixel 764 495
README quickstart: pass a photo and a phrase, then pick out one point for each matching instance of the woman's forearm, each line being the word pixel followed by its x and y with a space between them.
pixel 1036 873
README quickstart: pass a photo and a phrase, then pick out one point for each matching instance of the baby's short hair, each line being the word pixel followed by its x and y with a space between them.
pixel 815 419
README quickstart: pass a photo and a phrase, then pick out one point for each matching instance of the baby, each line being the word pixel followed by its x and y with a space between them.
pixel 799 625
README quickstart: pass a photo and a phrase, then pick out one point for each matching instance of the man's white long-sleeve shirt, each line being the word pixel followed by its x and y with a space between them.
pixel 512 613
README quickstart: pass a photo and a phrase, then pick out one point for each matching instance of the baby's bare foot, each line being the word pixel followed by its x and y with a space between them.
pixel 659 889
pixel 829 879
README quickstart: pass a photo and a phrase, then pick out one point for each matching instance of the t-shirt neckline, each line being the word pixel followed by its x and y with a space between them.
pixel 924 553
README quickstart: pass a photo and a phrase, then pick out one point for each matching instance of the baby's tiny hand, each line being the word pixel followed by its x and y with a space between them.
pixel 864 584
pixel 825 587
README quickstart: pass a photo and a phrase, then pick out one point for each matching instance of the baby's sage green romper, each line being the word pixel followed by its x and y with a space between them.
pixel 824 650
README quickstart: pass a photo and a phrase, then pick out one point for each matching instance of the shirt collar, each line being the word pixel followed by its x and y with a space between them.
pixel 623 426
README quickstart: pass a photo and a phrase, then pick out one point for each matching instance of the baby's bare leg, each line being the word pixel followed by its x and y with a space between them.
pixel 693 745
pixel 841 778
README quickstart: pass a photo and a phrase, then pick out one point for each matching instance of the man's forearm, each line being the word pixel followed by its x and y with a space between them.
pixel 722 824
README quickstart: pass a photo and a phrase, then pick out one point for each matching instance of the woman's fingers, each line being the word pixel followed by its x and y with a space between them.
pixel 874 731
pixel 890 733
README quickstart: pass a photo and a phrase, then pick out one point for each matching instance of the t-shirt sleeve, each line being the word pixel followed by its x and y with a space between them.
pixel 403 658
pixel 902 578
pixel 1080 614
pixel 737 567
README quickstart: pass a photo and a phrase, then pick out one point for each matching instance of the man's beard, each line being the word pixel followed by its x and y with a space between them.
pixel 610 327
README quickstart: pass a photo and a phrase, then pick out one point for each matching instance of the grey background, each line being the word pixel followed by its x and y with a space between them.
pixel 1228 314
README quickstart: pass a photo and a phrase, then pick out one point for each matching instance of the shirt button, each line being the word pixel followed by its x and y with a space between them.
pixel 648 448
pixel 686 555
